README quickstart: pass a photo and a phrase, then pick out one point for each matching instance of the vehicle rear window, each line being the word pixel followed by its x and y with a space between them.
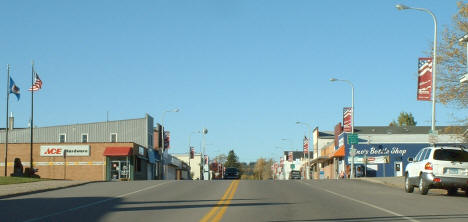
pixel 451 155
pixel 231 170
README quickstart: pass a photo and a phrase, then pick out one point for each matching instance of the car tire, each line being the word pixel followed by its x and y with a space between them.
pixel 408 187
pixel 466 192
pixel 423 188
pixel 452 191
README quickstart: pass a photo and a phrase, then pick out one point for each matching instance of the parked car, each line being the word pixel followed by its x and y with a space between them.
pixel 438 167
pixel 231 173
pixel 295 175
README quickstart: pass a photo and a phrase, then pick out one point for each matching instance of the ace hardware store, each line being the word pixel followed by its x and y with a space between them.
pixel 101 151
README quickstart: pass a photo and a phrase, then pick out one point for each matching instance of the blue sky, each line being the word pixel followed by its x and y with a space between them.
pixel 246 70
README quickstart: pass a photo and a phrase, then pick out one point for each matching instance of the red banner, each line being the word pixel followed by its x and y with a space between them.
pixel 347 119
pixel 425 79
pixel 306 145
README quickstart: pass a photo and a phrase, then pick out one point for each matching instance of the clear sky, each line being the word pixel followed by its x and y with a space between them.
pixel 246 70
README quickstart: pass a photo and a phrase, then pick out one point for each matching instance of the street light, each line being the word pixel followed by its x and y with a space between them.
pixel 308 149
pixel 162 138
pixel 204 132
pixel 464 79
pixel 434 65
pixel 352 151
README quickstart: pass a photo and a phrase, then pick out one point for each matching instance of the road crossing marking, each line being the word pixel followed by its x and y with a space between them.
pixel 222 204
pixel 94 203
pixel 364 203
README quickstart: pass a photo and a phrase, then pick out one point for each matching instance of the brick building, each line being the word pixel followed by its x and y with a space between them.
pixel 120 150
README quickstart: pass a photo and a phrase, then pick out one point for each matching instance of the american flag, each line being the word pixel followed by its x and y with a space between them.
pixel 37 83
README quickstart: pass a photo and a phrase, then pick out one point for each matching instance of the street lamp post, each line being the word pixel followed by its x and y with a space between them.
pixel 162 140
pixel 205 177
pixel 434 65
pixel 308 149
pixel 352 151
pixel 464 79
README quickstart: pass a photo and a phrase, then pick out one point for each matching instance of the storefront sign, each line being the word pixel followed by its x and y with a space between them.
pixel 141 151
pixel 370 159
pixel 381 151
pixel 60 150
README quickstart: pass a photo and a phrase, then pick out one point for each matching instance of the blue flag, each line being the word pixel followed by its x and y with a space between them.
pixel 14 89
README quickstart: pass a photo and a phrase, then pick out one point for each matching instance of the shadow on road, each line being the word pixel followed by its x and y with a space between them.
pixel 460 217
pixel 96 208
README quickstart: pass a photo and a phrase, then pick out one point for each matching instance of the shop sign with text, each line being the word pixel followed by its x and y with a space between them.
pixel 62 150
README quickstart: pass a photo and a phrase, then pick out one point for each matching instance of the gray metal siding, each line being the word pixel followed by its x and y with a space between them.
pixel 133 130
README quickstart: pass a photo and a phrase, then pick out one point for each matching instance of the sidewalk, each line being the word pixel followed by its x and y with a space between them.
pixel 398 182
pixel 25 188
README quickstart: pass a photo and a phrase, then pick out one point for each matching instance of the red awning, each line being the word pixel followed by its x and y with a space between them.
pixel 118 151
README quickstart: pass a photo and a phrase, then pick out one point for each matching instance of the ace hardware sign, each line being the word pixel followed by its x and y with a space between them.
pixel 70 150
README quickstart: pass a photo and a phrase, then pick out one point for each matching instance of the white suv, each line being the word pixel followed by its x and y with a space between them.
pixel 438 167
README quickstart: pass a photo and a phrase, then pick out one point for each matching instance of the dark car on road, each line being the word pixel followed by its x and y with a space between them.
pixel 295 175
pixel 231 173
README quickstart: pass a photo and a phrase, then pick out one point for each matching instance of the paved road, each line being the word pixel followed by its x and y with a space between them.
pixel 326 200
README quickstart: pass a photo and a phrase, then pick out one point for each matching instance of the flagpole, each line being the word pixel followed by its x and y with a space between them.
pixel 6 128
pixel 31 169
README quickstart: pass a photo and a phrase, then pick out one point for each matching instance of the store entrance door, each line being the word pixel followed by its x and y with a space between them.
pixel 119 170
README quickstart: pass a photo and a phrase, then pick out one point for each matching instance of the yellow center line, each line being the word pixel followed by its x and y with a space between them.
pixel 226 204
pixel 221 201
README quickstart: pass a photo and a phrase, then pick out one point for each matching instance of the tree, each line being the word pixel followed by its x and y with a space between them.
pixel 451 61
pixel 232 160
pixel 262 170
pixel 404 119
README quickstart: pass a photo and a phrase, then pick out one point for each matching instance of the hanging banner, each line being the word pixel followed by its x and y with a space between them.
pixel 290 156
pixel 192 152
pixel 424 79
pixel 167 140
pixel 347 119
pixel 306 145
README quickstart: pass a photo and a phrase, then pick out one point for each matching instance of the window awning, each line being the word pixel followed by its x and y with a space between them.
pixel 118 151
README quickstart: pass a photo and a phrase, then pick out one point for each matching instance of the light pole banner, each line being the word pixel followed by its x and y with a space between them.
pixel 306 145
pixel 424 79
pixel 290 156
pixel 347 119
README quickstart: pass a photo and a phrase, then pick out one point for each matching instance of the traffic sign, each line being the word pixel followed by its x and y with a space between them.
pixel 353 138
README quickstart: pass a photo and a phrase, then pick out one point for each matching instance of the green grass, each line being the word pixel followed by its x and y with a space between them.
pixel 15 180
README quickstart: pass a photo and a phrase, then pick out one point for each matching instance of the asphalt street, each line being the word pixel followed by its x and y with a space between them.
pixel 233 200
